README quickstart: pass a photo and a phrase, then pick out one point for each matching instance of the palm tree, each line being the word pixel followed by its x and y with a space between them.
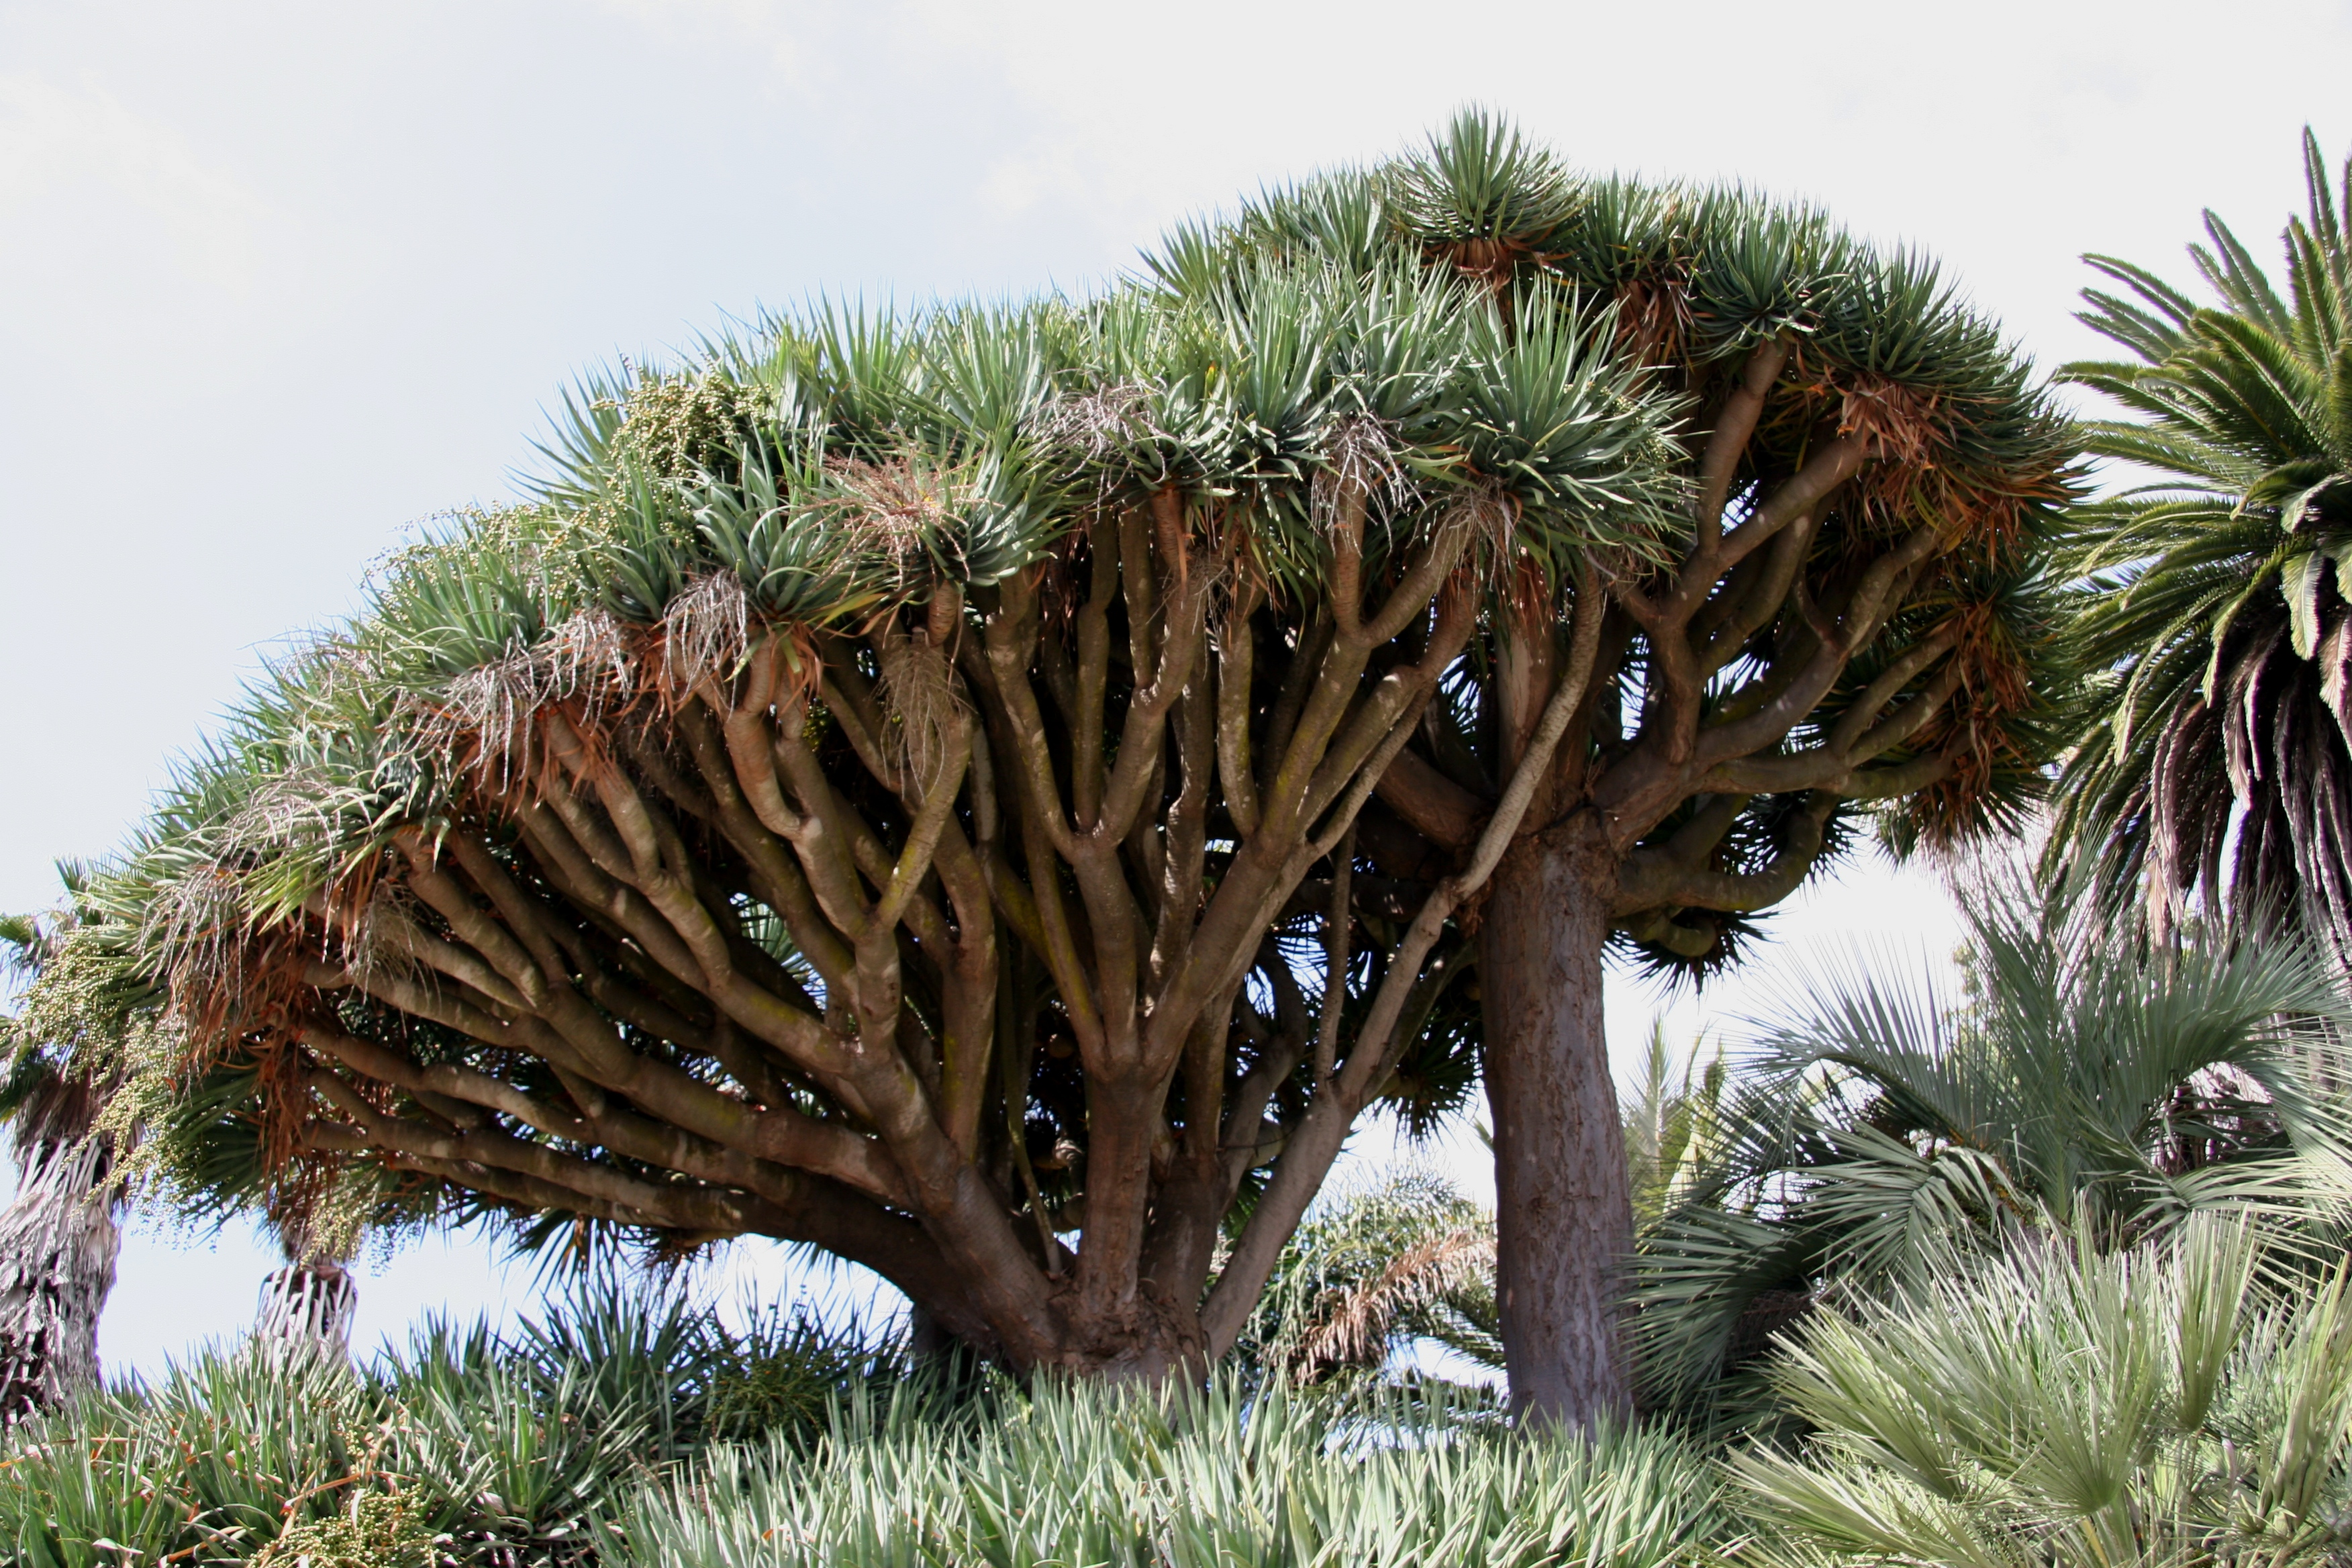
pixel 2207 595
pixel 2086 1080
pixel 1370 1272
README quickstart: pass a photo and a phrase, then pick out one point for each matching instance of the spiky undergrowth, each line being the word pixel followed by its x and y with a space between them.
pixel 1128 1479
pixel 499 1452
pixel 2063 1407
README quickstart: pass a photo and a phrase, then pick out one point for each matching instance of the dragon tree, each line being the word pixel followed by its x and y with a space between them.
pixel 999 792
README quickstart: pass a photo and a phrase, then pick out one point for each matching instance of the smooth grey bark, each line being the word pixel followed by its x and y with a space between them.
pixel 1563 1203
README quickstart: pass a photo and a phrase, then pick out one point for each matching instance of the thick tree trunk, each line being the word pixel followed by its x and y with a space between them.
pixel 1564 1212
pixel 58 1246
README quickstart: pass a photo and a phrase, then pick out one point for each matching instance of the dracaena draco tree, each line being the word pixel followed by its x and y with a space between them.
pixel 2216 780
pixel 907 784
pixel 1847 617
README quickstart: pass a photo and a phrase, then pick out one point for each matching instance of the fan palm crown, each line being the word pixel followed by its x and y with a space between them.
pixel 2086 1082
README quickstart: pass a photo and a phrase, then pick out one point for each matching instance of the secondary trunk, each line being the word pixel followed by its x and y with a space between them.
pixel 1563 1208
pixel 58 1246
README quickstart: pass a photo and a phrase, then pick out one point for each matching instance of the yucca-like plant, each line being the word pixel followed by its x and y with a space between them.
pixel 2087 1083
pixel 2063 1406
pixel 1673 1118
pixel 995 791
pixel 1126 1478
pixel 491 1451
pixel 2215 774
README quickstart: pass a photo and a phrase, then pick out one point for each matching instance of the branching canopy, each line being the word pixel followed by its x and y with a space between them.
pixel 904 784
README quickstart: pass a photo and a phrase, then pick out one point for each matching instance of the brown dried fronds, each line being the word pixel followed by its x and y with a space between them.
pixel 1360 470
pixel 297 1176
pixel 893 510
pixel 194 928
pixel 367 929
pixel 706 635
pixel 1981 742
pixel 1654 320
pixel 273 988
pixel 1993 668
pixel 486 722
pixel 1490 260
pixel 1486 516
pixel 1904 426
pixel 923 693
pixel 1356 1324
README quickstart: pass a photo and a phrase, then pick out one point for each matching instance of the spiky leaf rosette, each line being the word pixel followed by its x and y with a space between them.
pixel 1851 613
pixel 2212 596
pixel 900 784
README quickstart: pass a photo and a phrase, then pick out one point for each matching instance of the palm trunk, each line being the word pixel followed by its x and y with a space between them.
pixel 1564 1212
pixel 58 1246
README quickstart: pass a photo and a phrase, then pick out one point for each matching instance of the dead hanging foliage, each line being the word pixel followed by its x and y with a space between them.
pixel 367 930
pixel 1353 1326
pixel 1906 426
pixel 920 691
pixel 892 510
pixel 298 1175
pixel 706 635
pixel 1917 475
pixel 239 983
pixel 1359 473
pixel 195 926
pixel 1487 517
pixel 484 723
pixel 1092 427
pixel 2190 808
pixel 1994 669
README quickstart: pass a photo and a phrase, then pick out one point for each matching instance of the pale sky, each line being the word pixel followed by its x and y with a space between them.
pixel 278 280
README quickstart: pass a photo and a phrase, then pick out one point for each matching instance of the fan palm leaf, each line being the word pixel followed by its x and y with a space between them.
pixel 2084 1080
pixel 2065 1407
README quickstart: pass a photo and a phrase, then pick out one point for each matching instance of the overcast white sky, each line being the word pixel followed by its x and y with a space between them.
pixel 277 280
